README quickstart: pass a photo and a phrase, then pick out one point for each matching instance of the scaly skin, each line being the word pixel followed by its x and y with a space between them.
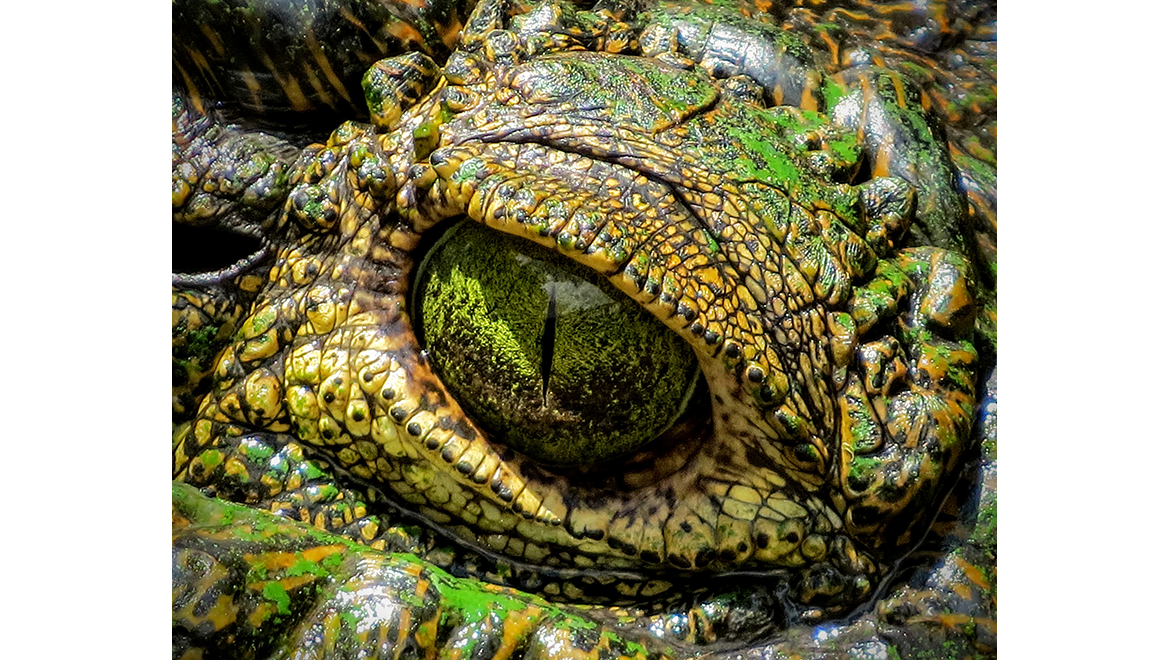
pixel 841 369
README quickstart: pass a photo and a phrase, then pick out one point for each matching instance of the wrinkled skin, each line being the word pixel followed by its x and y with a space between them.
pixel 835 283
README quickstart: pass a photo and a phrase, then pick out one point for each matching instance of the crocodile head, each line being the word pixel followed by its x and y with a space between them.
pixel 824 370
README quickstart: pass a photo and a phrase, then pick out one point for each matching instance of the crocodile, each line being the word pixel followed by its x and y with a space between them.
pixel 602 340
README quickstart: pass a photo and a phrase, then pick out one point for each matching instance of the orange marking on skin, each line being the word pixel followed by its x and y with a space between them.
pixel 517 626
pixel 973 574
pixel 884 153
pixel 406 33
pixel 326 68
pixel 449 33
pixel 899 90
pixel 807 100
pixel 427 630
pixel 906 537
pixel 289 85
pixel 216 42
pixel 288 583
pixel 322 551
pixel 271 560
pixel 926 102
pixel 881 166
pixel 253 86
pixel 403 627
pixel 857 16
pixel 379 44
pixel 315 83
pixel 179 522
pixel 953 621
pixel 383 637
pixel 958 621
pixel 222 614
pixel 962 590
pixel 907 7
pixel 225 534
pixel 200 61
pixel 420 587
pixel 413 569
pixel 834 48
pixel 261 614
pixel 192 93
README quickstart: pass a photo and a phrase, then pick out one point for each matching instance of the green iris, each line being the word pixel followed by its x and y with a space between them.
pixel 543 353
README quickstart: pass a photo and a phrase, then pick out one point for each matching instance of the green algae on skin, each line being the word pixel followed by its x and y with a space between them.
pixel 275 592
pixel 462 601
pixel 201 342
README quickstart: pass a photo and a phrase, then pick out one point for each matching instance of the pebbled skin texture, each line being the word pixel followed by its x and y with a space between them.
pixel 831 266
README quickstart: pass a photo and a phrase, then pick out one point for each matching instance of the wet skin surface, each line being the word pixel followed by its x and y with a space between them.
pixel 822 248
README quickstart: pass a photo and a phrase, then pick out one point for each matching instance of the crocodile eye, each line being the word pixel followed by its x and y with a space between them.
pixel 543 353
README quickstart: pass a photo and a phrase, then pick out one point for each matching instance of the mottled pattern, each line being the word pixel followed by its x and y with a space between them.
pixel 825 261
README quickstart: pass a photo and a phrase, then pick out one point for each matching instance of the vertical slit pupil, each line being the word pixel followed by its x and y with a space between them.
pixel 548 339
